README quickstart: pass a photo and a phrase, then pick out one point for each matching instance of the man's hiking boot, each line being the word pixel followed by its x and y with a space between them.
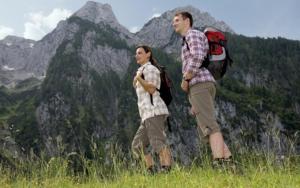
pixel 227 165
pixel 234 166
pixel 217 164
pixel 230 165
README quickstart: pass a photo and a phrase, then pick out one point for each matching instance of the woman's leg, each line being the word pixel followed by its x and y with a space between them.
pixel 139 144
pixel 165 156
pixel 158 140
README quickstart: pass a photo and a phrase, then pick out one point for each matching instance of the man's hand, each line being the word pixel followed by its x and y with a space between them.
pixel 192 111
pixel 185 86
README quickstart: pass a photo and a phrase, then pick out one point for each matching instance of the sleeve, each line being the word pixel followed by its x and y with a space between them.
pixel 152 75
pixel 198 45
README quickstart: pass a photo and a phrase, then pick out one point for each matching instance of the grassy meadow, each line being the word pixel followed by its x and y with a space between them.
pixel 253 170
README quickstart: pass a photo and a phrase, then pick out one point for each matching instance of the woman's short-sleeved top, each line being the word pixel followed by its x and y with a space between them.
pixel 146 109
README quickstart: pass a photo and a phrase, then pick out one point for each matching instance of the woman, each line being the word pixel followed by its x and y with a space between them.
pixel 153 112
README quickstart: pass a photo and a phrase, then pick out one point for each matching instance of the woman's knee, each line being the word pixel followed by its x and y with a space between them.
pixel 158 145
pixel 137 148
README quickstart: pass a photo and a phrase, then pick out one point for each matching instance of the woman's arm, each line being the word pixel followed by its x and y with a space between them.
pixel 150 88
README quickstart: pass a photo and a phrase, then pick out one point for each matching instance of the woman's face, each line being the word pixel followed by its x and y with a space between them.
pixel 141 56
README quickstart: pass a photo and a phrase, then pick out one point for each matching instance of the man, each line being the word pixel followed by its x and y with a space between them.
pixel 200 85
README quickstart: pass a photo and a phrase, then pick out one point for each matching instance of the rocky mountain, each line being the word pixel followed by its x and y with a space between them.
pixel 102 13
pixel 15 41
pixel 81 87
pixel 14 53
pixel 82 99
pixel 159 33
pixel 33 57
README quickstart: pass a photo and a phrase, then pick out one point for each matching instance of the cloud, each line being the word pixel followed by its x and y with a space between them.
pixel 134 29
pixel 4 31
pixel 39 24
pixel 154 9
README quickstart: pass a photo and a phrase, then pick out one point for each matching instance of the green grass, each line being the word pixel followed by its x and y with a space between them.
pixel 8 111
pixel 257 171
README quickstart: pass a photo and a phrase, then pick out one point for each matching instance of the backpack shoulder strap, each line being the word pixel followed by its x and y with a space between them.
pixel 184 42
pixel 143 77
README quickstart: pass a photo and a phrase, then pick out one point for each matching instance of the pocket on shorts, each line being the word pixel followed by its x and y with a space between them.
pixel 195 99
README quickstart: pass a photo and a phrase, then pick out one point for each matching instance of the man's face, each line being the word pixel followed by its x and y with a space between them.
pixel 179 24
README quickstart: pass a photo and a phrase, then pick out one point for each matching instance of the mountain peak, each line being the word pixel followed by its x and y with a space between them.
pixel 16 39
pixel 164 35
pixel 96 13
pixel 102 13
pixel 21 42
pixel 203 19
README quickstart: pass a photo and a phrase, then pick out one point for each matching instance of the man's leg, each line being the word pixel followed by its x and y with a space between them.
pixel 227 153
pixel 216 142
pixel 221 153
pixel 201 97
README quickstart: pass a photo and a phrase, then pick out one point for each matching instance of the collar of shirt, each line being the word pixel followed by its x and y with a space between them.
pixel 184 37
pixel 143 66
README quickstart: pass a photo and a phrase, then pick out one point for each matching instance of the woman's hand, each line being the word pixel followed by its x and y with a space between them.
pixel 149 87
pixel 134 83
pixel 135 79
pixel 185 86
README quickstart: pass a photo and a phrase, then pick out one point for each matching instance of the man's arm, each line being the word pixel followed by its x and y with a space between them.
pixel 198 45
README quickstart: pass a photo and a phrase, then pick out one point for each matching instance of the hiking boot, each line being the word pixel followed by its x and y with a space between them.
pixel 232 166
pixel 165 169
pixel 151 170
pixel 229 165
pixel 217 164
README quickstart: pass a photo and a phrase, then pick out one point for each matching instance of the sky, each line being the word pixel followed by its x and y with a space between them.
pixel 33 19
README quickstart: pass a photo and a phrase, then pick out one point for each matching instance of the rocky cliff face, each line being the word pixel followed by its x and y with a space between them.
pixel 14 54
pixel 32 58
pixel 81 87
pixel 45 49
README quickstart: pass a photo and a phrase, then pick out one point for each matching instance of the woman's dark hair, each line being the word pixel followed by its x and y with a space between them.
pixel 186 15
pixel 147 49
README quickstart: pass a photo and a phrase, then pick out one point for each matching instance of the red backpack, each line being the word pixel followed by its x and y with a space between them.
pixel 218 57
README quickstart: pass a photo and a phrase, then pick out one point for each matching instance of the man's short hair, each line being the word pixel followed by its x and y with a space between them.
pixel 186 15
